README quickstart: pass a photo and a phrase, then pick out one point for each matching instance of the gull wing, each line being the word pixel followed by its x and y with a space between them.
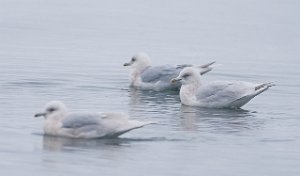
pixel 223 93
pixel 160 73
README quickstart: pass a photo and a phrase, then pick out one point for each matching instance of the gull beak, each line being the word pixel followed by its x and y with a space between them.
pixel 40 114
pixel 127 64
pixel 174 80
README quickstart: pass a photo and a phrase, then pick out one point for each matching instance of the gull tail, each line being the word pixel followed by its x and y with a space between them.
pixel 198 66
pixel 245 99
pixel 132 124
pixel 207 65
pixel 264 85
pixel 138 124
pixel 203 68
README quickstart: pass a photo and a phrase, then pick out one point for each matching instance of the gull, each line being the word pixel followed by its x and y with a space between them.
pixel 217 94
pixel 157 78
pixel 60 122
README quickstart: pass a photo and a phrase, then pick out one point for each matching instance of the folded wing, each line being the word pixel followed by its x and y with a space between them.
pixel 98 125
pixel 223 93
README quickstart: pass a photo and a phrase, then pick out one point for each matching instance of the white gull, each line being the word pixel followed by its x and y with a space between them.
pixel 147 77
pixel 60 122
pixel 217 94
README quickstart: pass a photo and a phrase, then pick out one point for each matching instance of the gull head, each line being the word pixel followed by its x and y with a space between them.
pixel 188 75
pixel 139 61
pixel 53 108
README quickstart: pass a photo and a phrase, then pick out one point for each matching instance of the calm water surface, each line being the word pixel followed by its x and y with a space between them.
pixel 73 51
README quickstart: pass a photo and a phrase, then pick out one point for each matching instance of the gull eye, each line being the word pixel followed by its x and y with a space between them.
pixel 133 59
pixel 51 109
pixel 186 75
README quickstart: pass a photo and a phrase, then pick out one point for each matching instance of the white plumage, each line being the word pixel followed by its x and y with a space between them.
pixel 147 77
pixel 218 94
pixel 60 122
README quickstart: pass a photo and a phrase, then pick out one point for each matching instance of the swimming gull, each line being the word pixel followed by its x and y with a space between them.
pixel 60 122
pixel 217 94
pixel 147 77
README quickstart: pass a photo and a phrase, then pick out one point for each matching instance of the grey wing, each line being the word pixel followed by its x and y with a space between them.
pixel 213 88
pixel 78 120
pixel 96 125
pixel 224 91
pixel 160 73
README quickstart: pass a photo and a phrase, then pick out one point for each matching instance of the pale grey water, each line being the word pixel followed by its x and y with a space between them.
pixel 73 51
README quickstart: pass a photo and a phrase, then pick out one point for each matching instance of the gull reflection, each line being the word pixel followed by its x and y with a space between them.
pixel 54 143
pixel 138 97
pixel 218 120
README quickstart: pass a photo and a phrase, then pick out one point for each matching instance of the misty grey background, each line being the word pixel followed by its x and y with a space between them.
pixel 73 51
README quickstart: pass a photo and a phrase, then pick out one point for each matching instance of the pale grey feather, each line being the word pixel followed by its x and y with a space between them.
pixel 77 120
pixel 160 73
pixel 224 92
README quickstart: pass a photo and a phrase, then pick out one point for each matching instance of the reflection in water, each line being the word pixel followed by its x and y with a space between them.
pixel 153 102
pixel 54 143
pixel 66 149
pixel 217 120
pixel 138 97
